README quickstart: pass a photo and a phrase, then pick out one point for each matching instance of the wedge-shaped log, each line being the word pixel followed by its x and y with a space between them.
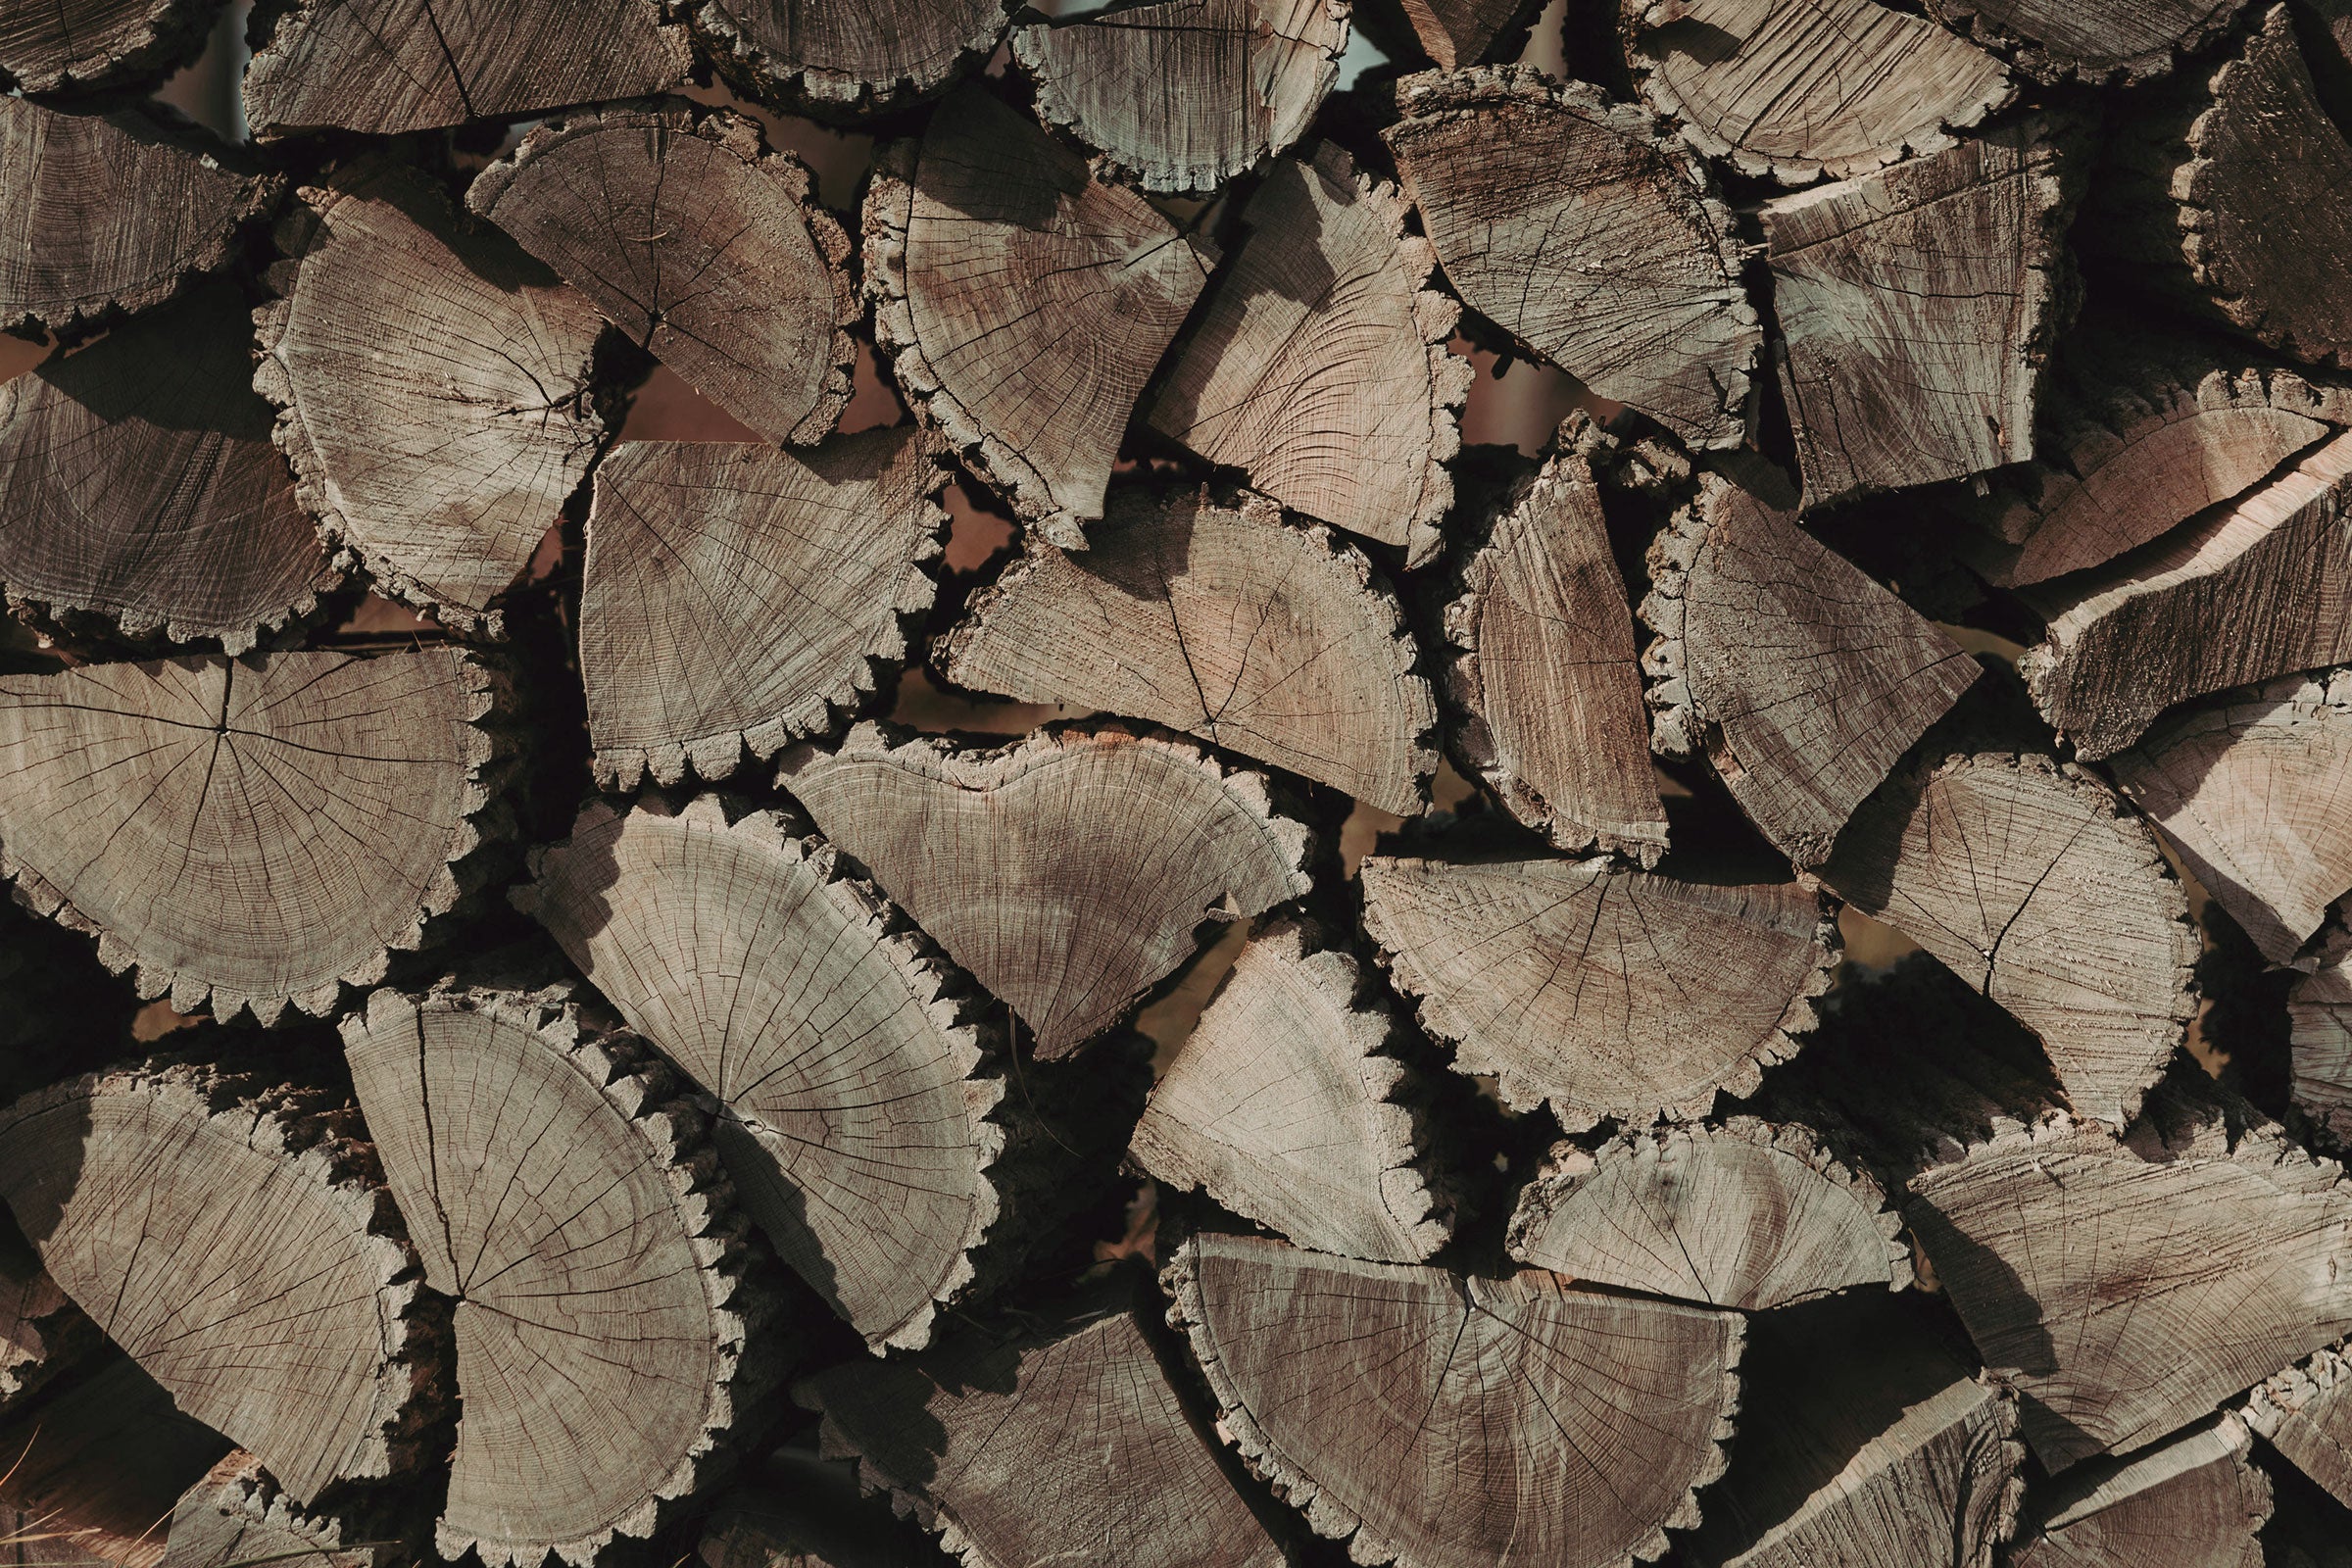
pixel 1434 1421
pixel 1451 32
pixel 99 43
pixel 250 833
pixel 433 387
pixel 976 845
pixel 1024 303
pixel 843 59
pixel 739 597
pixel 2194 1501
pixel 235 1244
pixel 94 1469
pixel 236 1517
pixel 2305 1412
pixel 2318 1010
pixel 1624 275
pixel 1267 638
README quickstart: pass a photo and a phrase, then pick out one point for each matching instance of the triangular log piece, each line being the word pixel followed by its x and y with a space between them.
pixel 1803 679
pixel 840 59
pixel 1287 1103
pixel 1318 366
pixel 566 1201
pixel 1436 1421
pixel 738 596
pixel 1183 95
pixel 236 1517
pixel 2306 1413
pixel 2249 788
pixel 99 43
pixel 255 832
pixel 1744 1214
pixel 1070 871
pixel 1798 90
pixel 1268 638
pixel 90 1477
pixel 1680 990
pixel 1626 276
pixel 139 484
pixel 382 67
pixel 2194 1501
pixel 861 1119
pixel 2028 878
pixel 795 1510
pixel 1545 680
pixel 1917 306
pixel 235 1244
pixel 2318 1010
pixel 2052 41
pixel 42 1333
pixel 703 246
pixel 108 212
pixel 1064 1444
pixel 2245 591
pixel 433 387
pixel 1023 302
pixel 1864 1443
pixel 2125 1288
pixel 1451 32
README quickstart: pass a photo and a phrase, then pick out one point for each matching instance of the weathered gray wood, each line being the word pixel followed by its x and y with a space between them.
pixel 2194 1501
pixel 1627 275
pixel 81 45
pixel 2305 1412
pixel 842 59
pixel 2318 1010
pixel 2110 40
pixel 236 1517
pixel 87 1478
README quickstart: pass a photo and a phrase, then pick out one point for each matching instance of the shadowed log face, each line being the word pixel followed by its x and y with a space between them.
pixel 2196 1499
pixel 2319 1010
pixel 840 59
pixel 93 1471
pixel 2306 1413
pixel 236 1517
pixel 2107 40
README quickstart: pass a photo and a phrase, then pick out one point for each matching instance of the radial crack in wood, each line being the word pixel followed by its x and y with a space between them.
pixel 76 45
pixel 2319 1010
pixel 2107 40
pixel 89 1475
pixel 842 58
pixel 2305 1412
pixel 236 1517
pixel 2194 1501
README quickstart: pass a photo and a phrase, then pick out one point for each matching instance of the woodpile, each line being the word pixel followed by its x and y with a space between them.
pixel 804 783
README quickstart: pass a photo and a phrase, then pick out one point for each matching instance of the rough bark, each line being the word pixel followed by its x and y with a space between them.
pixel 2320 1043
pixel 250 833
pixel 2305 1412
pixel 99 43
pixel 975 846
pixel 1271 639
pixel 707 249
pixel 738 597
pixel 236 1517
pixel 2194 1501
pixel 846 59
pixel 1627 275
pixel 1318 366
pixel 1024 303
pixel 433 380
pixel 90 1477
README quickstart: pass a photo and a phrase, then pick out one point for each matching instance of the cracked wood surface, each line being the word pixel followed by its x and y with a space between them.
pixel 2124 41
pixel 707 249
pixel 846 59
pixel 2318 1010
pixel 55 46
pixel 2305 1413
pixel 236 1517
pixel 2194 1501
pixel 1607 993
pixel 1265 637
pixel 1626 276
pixel 1451 32
pixel 736 597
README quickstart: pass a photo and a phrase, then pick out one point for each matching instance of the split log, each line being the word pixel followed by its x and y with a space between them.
pixel 99 43
pixel 2028 879
pixel 1288 1104
pixel 433 383
pixel 138 485
pixel 1435 1421
pixel 840 59
pixel 1024 303
pixel 1795 92
pixel 2194 1500
pixel 110 213
pixel 2306 1413
pixel 2127 42
pixel 236 1517
pixel 1607 994
pixel 250 833
pixel 1626 276
pixel 2318 1010
pixel 710 251
pixel 976 846
pixel 1268 638
pixel 1318 364
pixel 1183 95
pixel 382 67
pixel 1063 1443
pixel 1745 1214
pixel 1803 679
pixel 799 1511
pixel 738 596
pixel 564 1197
pixel 2125 1288
pixel 863 1119
pixel 2247 592
pixel 1918 306
pixel 88 1477
pixel 1451 32
pixel 234 1243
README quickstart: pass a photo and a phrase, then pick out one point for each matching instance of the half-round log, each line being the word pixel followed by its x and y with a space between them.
pixel 840 59
pixel 2194 1500
pixel 2305 1412
pixel 236 1517
pixel 2110 40
pixel 81 45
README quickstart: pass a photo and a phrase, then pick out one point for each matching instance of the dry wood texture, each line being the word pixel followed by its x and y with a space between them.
pixel 847 57
pixel 96 1469
pixel 236 1517
pixel 2318 1010
pixel 1451 32
pixel 83 44
pixel 2306 1413
pixel 42 1333
pixel 2194 1500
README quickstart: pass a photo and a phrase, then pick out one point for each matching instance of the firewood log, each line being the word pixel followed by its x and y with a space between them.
pixel 975 846
pixel 2194 1499
pixel 846 59
pixel 2055 42
pixel 795 1510
pixel 1744 1214
pixel 251 833
pixel 1183 95
pixel 99 43
pixel 238 1245
pixel 705 248
pixel 1803 679
pixel 1680 991
pixel 1317 365
pixel 432 382
pixel 42 1333
pixel 1434 1421
pixel 1451 32
pixel 1023 302
pixel 89 1475
pixel 736 596
pixel 1274 640
pixel 2305 1412
pixel 236 1517
pixel 1626 276
pixel 1917 306
pixel 2320 1043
